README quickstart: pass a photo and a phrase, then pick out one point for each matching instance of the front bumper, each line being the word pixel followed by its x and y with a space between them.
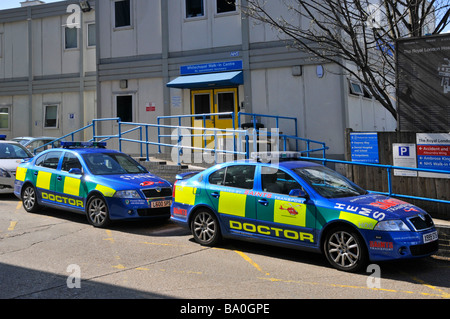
pixel 401 245
pixel 7 185
pixel 122 208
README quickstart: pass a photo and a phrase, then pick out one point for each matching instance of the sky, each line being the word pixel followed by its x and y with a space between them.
pixel 9 4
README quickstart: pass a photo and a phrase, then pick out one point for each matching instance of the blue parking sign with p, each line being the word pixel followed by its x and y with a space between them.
pixel 403 150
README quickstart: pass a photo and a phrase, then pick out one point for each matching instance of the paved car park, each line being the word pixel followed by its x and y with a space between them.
pixel 57 254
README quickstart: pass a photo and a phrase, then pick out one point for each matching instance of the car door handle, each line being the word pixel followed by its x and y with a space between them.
pixel 215 195
pixel 263 202
pixel 36 173
pixel 59 178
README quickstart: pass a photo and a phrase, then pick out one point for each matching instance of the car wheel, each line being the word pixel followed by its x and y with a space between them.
pixel 29 199
pixel 205 228
pixel 97 212
pixel 345 249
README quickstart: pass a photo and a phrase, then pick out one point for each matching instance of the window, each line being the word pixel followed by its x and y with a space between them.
pixel 241 176
pixel 355 88
pixel 202 105
pixel 277 181
pixel 4 117
pixel 224 6
pixel 194 8
pixel 71 38
pixel 70 161
pixel 49 160
pixel 91 34
pixel 122 13
pixel 1 45
pixel 13 151
pixel 124 108
pixel 51 116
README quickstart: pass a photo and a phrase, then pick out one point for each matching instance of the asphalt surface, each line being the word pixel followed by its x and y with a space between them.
pixel 58 255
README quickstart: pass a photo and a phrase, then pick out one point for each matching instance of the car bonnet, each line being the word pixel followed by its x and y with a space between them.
pixel 131 181
pixel 376 206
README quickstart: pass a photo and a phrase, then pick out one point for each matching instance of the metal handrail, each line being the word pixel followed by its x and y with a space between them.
pixel 389 169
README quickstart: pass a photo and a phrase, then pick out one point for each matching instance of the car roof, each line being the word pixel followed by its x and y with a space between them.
pixel 85 150
pixel 285 164
pixel 10 142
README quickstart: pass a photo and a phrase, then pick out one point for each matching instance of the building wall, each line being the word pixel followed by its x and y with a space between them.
pixel 161 39
pixel 36 70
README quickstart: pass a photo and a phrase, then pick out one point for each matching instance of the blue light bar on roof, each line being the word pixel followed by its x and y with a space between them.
pixel 83 144
pixel 2 137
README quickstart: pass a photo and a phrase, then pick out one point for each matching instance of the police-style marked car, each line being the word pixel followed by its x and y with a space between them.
pixel 11 155
pixel 301 205
pixel 83 177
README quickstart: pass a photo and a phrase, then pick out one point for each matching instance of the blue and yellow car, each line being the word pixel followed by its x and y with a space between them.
pixel 302 205
pixel 106 185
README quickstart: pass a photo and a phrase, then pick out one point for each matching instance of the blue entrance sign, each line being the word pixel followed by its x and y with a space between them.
pixel 364 147
pixel 211 67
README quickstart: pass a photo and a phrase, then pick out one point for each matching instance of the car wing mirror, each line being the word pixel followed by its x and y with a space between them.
pixel 75 171
pixel 296 192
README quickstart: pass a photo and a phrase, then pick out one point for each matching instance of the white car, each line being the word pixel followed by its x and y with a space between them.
pixel 11 155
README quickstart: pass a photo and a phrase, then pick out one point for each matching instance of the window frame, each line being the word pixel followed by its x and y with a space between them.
pixel 236 3
pixel 114 16
pixel 1 44
pixel 87 35
pixel 65 39
pixel 45 116
pixel 197 17
pixel 352 88
pixel 9 116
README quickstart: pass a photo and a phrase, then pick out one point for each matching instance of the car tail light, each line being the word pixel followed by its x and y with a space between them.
pixel 173 189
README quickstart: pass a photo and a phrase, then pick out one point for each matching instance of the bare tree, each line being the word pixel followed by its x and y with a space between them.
pixel 358 35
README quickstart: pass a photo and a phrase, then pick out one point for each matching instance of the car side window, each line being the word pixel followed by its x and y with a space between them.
pixel 49 160
pixel 218 177
pixel 274 180
pixel 70 161
pixel 241 176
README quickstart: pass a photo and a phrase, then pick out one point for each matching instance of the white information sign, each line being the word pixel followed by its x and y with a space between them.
pixel 404 155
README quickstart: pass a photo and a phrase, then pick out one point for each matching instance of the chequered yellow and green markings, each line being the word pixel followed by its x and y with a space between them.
pixel 280 209
pixel 56 190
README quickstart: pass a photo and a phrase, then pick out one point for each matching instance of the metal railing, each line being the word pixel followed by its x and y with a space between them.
pixel 240 147
pixel 389 169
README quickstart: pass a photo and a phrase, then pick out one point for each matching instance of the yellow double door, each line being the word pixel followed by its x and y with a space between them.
pixel 214 103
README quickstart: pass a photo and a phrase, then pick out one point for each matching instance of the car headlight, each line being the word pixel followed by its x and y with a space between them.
pixel 392 225
pixel 127 194
pixel 4 173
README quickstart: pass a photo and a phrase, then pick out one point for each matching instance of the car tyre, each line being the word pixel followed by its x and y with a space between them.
pixel 29 199
pixel 345 250
pixel 97 212
pixel 205 228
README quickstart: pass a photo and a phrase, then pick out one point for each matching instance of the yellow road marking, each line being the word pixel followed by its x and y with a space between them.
pixel 19 206
pixel 250 261
pixel 12 225
pixel 110 238
pixel 442 295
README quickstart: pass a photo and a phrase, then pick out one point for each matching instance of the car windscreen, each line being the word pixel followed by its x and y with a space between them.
pixel 328 183
pixel 13 151
pixel 112 163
